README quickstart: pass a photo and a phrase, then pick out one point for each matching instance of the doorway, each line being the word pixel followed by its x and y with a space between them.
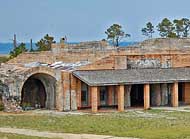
pixel 181 93
pixel 137 95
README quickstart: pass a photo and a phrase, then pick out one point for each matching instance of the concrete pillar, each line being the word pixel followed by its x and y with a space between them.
pixel 146 96
pixel 98 96
pixel 120 93
pixel 155 95
pixel 164 94
pixel 59 96
pixel 89 97
pixel 175 95
pixel 110 95
pixel 78 94
pixel 73 93
pixel 94 98
pixel 66 91
pixel 127 95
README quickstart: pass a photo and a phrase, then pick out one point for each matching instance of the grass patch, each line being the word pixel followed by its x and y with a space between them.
pixel 153 124
pixel 4 59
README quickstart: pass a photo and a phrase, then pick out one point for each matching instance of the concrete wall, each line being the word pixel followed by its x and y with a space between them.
pixel 127 96
pixel 155 95
pixel 160 94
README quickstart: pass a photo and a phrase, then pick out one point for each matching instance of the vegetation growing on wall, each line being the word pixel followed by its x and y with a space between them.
pixel 45 43
pixel 18 50
pixel 42 45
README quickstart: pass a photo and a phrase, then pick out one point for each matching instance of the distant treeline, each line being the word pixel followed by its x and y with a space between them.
pixel 178 28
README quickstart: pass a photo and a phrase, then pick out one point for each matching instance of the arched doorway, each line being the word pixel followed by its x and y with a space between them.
pixel 38 91
pixel 33 93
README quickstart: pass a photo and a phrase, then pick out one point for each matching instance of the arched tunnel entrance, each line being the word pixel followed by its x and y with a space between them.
pixel 38 91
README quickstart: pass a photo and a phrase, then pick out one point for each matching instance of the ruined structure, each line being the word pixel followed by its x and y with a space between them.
pixel 94 75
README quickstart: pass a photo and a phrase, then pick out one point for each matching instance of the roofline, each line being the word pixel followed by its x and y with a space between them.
pixel 132 69
pixel 81 79
pixel 127 83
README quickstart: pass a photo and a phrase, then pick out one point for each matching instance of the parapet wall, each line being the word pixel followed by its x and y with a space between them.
pixel 85 51
pixel 164 52
pixel 44 57
pixel 162 43
pixel 98 45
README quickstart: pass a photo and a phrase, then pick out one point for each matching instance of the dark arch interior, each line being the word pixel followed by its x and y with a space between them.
pixel 33 94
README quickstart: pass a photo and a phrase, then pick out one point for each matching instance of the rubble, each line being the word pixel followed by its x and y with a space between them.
pixel 11 104
pixel 32 64
pixel 58 65
pixel 68 66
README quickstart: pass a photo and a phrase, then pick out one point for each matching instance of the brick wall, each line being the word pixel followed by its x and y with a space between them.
pixel 44 57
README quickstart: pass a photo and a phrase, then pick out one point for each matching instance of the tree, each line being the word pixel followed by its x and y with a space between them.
pixel 182 27
pixel 45 43
pixel 166 29
pixel 148 30
pixel 18 50
pixel 179 28
pixel 115 34
pixel 186 25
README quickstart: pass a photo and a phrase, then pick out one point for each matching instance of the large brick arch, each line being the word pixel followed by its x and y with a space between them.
pixel 35 70
pixel 51 80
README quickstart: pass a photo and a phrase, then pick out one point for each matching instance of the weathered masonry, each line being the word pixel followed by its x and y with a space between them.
pixel 95 76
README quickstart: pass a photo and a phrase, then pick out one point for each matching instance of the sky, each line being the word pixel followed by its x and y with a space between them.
pixel 83 20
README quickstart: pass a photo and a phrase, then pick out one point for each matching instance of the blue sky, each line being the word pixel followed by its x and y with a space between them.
pixel 83 20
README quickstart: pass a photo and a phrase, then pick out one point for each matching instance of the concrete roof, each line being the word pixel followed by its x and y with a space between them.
pixel 133 76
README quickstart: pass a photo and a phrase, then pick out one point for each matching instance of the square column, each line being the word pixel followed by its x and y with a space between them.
pixel 120 93
pixel 67 91
pixel 78 94
pixel 59 96
pixel 94 98
pixel 187 93
pixel 73 93
pixel 175 95
pixel 89 97
pixel 146 96
pixel 98 96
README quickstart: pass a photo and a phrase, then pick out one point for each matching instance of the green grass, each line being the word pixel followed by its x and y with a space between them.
pixel 15 136
pixel 153 124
